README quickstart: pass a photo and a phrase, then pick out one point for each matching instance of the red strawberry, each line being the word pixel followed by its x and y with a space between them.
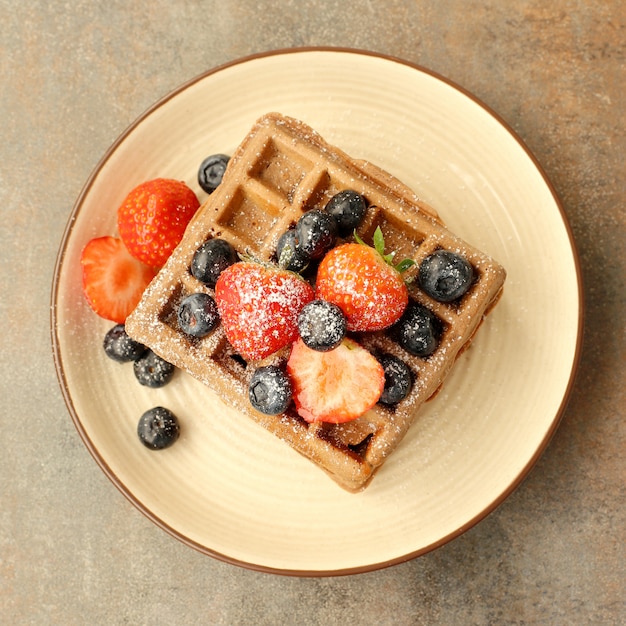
pixel 335 386
pixel 259 307
pixel 361 281
pixel 153 217
pixel 113 281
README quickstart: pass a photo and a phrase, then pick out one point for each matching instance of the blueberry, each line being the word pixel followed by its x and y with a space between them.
pixel 418 330
pixel 269 390
pixel 288 254
pixel 198 315
pixel 316 232
pixel 348 208
pixel 398 379
pixel 322 325
pixel 158 428
pixel 120 347
pixel 211 171
pixel 445 276
pixel 211 259
pixel 153 371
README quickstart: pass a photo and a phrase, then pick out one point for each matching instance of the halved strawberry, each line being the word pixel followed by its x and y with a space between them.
pixel 335 386
pixel 113 281
pixel 153 217
pixel 259 306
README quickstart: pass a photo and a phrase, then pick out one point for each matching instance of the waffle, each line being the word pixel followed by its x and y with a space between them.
pixel 282 168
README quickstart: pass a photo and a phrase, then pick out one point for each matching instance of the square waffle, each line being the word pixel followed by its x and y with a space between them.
pixel 281 169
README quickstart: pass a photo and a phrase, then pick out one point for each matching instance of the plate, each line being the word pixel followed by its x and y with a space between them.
pixel 234 491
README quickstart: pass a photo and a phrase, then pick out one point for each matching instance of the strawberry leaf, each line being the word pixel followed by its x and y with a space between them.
pixel 358 239
pixel 379 242
pixel 379 246
pixel 404 265
pixel 285 257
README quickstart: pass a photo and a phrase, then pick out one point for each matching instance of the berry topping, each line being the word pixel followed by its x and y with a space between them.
pixel 335 386
pixel 348 208
pixel 211 259
pixel 158 428
pixel 120 347
pixel 270 390
pixel 288 254
pixel 418 330
pixel 153 217
pixel 398 379
pixel 211 171
pixel 113 281
pixel 322 325
pixel 198 315
pixel 360 280
pixel 259 307
pixel 153 371
pixel 316 232
pixel 445 276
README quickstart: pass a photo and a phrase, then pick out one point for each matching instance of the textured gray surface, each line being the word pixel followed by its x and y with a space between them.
pixel 74 75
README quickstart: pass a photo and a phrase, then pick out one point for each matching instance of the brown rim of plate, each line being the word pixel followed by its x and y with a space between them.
pixel 266 569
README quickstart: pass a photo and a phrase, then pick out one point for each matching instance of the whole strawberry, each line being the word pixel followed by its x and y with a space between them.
pixel 364 284
pixel 153 217
pixel 259 306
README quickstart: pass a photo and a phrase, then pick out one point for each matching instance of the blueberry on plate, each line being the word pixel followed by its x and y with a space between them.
pixel 398 379
pixel 322 325
pixel 418 330
pixel 158 428
pixel 288 254
pixel 198 315
pixel 153 371
pixel 316 233
pixel 445 276
pixel 348 208
pixel 211 259
pixel 270 390
pixel 120 347
pixel 211 171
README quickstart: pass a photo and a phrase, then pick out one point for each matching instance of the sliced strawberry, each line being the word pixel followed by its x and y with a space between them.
pixel 259 306
pixel 335 386
pixel 113 281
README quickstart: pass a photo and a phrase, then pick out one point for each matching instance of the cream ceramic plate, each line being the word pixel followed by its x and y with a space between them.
pixel 232 490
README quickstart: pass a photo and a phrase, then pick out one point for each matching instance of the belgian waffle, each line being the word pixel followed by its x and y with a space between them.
pixel 282 168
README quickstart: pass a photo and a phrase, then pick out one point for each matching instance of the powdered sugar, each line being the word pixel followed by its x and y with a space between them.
pixel 308 171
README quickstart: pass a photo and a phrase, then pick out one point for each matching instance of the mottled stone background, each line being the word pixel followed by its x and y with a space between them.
pixel 74 75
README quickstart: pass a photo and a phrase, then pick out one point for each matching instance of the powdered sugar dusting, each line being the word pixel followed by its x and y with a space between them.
pixel 284 168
